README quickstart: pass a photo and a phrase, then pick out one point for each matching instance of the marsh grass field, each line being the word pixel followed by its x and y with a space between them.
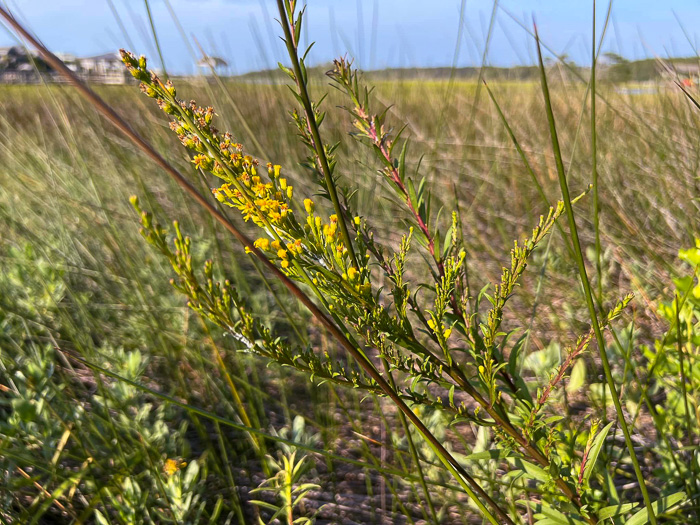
pixel 185 440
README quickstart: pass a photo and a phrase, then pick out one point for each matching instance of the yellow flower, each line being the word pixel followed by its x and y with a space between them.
pixel 283 184
pixel 290 191
pixel 276 245
pixel 431 324
pixel 262 244
pixel 285 263
pixel 295 247
pixel 352 273
pixel 171 467
pixel 219 195
pixel 282 254
pixel 309 206
pixel 202 162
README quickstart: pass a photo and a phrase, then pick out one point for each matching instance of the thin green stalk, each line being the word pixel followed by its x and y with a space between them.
pixel 660 353
pixel 658 423
pixel 587 286
pixel 450 83
pixel 258 445
pixel 120 23
pixel 155 38
pixel 526 162
pixel 412 448
pixel 684 390
pixel 377 463
pixel 303 339
pixel 229 475
pixel 594 166
pixel 292 49
pixel 484 57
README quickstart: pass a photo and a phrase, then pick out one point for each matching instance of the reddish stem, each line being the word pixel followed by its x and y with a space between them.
pixel 394 175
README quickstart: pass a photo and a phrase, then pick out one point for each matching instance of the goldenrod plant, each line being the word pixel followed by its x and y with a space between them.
pixel 474 417
pixel 445 353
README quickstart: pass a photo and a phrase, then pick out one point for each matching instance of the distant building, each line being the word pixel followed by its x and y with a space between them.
pixel 106 69
pixel 19 67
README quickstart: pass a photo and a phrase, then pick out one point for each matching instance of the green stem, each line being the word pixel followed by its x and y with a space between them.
pixel 155 39
pixel 684 391
pixel 313 125
pixel 587 286
pixel 412 448
pixel 594 168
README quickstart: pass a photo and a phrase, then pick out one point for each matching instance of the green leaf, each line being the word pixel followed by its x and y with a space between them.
pixel 578 376
pixel 487 454
pixel 530 470
pixel 691 255
pixel 412 193
pixel 402 162
pixel 595 451
pixel 264 505
pixel 615 510
pixel 551 515
pixel 99 518
pixel 610 490
pixel 660 506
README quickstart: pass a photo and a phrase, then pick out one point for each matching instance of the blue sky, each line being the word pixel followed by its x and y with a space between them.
pixel 378 33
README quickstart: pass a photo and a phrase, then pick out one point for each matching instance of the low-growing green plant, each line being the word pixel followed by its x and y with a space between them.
pixel 289 468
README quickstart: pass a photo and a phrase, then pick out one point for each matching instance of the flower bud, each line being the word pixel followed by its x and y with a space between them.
pixel 309 206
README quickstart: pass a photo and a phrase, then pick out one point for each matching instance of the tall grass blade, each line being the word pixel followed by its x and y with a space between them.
pixel 586 283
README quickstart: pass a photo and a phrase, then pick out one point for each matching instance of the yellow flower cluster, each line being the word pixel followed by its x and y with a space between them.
pixel 439 330
pixel 268 202
pixel 276 249
pixel 172 466
pixel 264 202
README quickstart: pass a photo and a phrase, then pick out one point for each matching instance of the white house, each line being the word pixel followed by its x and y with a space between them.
pixel 107 68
